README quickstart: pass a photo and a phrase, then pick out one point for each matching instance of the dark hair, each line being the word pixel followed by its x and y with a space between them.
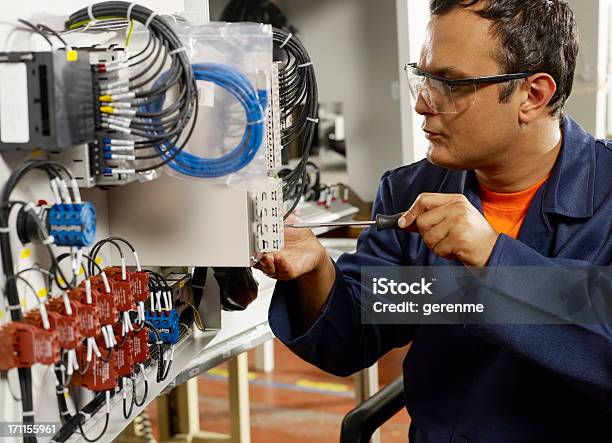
pixel 534 35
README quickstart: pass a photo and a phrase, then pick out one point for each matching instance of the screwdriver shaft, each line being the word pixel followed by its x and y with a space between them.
pixel 382 223
pixel 330 224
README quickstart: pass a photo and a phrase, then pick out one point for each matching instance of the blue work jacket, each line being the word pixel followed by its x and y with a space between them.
pixel 482 383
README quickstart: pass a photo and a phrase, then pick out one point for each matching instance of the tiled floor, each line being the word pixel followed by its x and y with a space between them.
pixel 295 403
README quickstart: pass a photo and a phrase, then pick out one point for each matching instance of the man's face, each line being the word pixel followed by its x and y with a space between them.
pixel 459 45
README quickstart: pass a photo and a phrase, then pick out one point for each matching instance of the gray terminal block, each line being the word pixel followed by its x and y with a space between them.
pixel 46 100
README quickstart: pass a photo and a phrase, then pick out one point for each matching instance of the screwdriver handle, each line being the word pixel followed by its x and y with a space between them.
pixel 384 222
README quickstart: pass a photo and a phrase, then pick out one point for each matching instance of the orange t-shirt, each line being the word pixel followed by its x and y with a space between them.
pixel 507 211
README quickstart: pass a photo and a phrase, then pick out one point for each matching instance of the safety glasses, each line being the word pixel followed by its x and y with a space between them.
pixel 445 96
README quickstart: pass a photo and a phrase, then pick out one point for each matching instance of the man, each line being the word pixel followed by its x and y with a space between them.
pixel 509 181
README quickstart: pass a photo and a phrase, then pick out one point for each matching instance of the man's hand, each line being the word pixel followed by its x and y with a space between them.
pixel 451 228
pixel 304 260
pixel 302 254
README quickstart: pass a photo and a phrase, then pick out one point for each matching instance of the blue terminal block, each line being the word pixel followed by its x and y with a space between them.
pixel 167 323
pixel 72 224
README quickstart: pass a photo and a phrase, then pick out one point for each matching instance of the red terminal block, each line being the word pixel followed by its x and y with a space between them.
pixel 65 327
pixel 124 355
pixel 97 283
pixel 101 375
pixel 140 280
pixel 72 320
pixel 123 289
pixel 103 301
pixel 89 323
pixel 22 345
pixel 140 346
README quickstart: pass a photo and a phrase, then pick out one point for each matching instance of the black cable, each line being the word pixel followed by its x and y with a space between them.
pixel 162 371
pixel 59 392
pixel 138 54
pixel 36 30
pixel 95 250
pixel 146 390
pixel 128 413
pixel 95 439
pixel 54 33
pixel 297 87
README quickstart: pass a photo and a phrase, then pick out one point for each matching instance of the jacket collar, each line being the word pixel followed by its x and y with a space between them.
pixel 569 191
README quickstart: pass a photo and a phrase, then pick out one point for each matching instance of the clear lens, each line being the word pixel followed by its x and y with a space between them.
pixel 438 95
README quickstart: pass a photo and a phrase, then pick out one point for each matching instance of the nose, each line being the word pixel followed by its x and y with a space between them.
pixel 423 104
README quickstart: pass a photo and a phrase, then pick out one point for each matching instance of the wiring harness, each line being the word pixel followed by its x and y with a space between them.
pixel 160 135
pixel 299 106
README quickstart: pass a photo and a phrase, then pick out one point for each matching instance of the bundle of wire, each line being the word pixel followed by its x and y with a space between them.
pixel 161 135
pixel 254 103
pixel 298 100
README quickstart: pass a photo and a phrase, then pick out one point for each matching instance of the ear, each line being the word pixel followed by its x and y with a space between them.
pixel 538 90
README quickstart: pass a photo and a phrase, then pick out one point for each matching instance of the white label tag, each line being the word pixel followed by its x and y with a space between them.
pixel 206 93
pixel 14 116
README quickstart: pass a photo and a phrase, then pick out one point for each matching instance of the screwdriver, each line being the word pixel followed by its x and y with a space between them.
pixel 382 222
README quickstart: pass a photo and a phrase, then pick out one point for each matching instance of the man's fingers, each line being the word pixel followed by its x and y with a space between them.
pixel 434 217
pixel 406 221
pixel 436 234
pixel 445 249
pixel 266 265
pixel 424 203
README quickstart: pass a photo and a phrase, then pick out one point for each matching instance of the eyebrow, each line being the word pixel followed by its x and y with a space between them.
pixel 447 71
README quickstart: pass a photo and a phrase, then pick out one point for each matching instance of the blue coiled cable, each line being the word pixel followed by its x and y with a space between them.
pixel 254 102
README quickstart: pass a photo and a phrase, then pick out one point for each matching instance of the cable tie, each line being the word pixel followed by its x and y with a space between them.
pixel 177 50
pixel 27 413
pixel 150 19
pixel 128 15
pixel 137 260
pixel 304 65
pixel 286 40
pixel 159 342
pixel 67 305
pixel 13 307
pixel 5 230
pixel 48 241
pixel 314 120
pixel 106 339
pixel 89 355
pixel 256 122
pixel 85 415
pixel 88 297
pixel 90 11
pixel 95 348
pixel 123 271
